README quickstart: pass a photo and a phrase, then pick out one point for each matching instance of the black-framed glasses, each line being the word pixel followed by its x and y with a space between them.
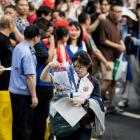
pixel 78 66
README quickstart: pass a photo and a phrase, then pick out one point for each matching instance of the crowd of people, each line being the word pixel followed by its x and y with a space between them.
pixel 38 35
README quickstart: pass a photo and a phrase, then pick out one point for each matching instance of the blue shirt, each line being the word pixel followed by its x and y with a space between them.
pixel 42 55
pixel 23 63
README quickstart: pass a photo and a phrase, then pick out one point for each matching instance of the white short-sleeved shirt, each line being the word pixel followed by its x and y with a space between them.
pixel 75 49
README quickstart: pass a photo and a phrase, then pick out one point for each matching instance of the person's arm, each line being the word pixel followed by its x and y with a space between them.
pixel 81 101
pixel 99 55
pixel 114 45
pixel 123 46
pixel 29 71
pixel 45 75
pixel 93 48
pixel 19 37
pixel 97 88
pixel 51 49
pixel 31 83
pixel 95 24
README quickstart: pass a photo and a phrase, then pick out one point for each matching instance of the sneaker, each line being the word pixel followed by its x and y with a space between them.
pixel 123 103
pixel 113 110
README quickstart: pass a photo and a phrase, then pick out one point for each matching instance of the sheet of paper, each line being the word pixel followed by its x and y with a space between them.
pixel 9 68
pixel 52 110
pixel 69 112
pixel 62 79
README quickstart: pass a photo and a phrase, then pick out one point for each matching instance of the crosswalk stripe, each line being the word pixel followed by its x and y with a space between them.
pixel 132 115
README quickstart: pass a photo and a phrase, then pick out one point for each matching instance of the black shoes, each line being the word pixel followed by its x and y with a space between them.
pixel 123 103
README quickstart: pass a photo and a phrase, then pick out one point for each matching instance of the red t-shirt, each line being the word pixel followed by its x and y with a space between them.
pixel 32 18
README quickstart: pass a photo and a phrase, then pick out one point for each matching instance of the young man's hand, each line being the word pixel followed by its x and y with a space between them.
pixel 54 64
pixel 77 101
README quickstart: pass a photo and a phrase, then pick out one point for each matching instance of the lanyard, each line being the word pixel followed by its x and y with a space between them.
pixel 71 77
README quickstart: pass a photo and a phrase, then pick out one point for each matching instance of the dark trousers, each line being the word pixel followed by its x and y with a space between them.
pixel 81 134
pixel 22 116
pixel 41 113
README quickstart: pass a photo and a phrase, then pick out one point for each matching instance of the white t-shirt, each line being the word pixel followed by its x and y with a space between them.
pixel 75 49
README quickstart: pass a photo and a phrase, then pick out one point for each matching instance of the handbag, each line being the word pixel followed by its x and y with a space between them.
pixel 59 126
pixel 120 69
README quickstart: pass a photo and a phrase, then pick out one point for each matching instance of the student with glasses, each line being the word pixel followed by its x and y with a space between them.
pixel 87 88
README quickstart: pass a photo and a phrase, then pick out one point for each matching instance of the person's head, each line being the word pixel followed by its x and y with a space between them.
pixel 93 7
pixel 32 33
pixel 7 23
pixel 5 2
pixel 84 18
pixel 62 14
pixel 81 62
pixel 116 10
pixel 104 5
pixel 44 12
pixel 58 4
pixel 75 33
pixel 131 3
pixel 129 17
pixel 22 7
pixel 11 11
pixel 44 26
pixel 31 7
pixel 56 15
pixel 62 33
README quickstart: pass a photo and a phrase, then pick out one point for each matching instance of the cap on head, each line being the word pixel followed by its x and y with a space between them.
pixel 129 13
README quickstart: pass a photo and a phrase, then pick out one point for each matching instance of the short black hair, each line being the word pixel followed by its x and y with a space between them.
pixel 17 2
pixel 101 1
pixel 114 3
pixel 43 10
pixel 10 6
pixel 82 17
pixel 57 2
pixel 62 14
pixel 31 6
pixel 31 31
pixel 83 58
pixel 42 23
pixel 61 31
